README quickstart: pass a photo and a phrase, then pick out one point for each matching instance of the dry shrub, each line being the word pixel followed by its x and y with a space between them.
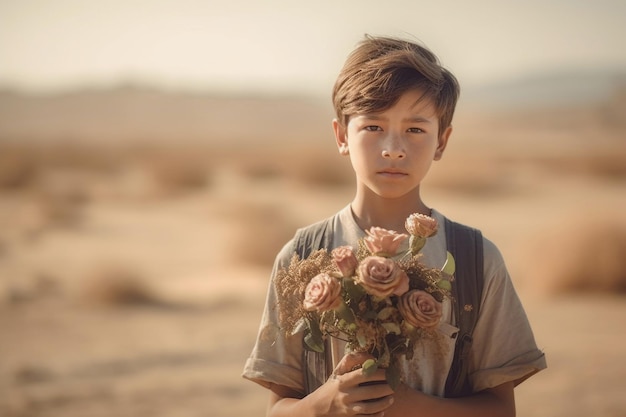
pixel 115 285
pixel 324 171
pixel 311 166
pixel 590 259
pixel 81 158
pixel 605 164
pixel 178 171
pixel 261 231
pixel 474 175
pixel 62 203
pixel 32 374
pixel 28 289
pixel 18 168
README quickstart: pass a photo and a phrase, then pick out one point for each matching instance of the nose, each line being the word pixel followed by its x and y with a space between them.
pixel 393 149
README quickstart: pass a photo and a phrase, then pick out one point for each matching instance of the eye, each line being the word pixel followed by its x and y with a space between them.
pixel 372 128
pixel 416 130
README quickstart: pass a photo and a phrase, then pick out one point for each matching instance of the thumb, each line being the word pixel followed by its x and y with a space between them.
pixel 351 361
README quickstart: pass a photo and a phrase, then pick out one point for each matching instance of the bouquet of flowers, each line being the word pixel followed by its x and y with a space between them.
pixel 375 299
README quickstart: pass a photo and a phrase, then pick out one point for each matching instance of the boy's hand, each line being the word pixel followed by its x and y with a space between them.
pixel 349 392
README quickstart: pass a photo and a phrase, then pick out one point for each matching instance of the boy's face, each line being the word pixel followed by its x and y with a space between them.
pixel 391 151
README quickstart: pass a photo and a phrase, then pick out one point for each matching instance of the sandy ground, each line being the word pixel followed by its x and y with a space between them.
pixel 119 297
pixel 66 352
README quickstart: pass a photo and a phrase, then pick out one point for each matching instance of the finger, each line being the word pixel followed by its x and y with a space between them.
pixel 372 391
pixel 362 378
pixel 351 361
pixel 360 388
pixel 355 381
pixel 372 407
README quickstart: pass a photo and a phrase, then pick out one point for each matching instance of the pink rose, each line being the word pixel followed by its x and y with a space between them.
pixel 383 242
pixel 381 277
pixel 345 260
pixel 421 225
pixel 420 309
pixel 322 293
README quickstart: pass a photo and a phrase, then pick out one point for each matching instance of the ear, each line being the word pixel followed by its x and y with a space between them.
pixel 442 143
pixel 341 137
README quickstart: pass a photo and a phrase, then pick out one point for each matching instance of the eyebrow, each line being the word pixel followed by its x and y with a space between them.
pixel 412 119
pixel 418 119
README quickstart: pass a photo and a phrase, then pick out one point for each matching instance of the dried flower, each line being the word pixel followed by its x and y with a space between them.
pixel 376 303
pixel 322 293
pixel 421 225
pixel 384 242
pixel 420 309
pixel 382 277
pixel 345 260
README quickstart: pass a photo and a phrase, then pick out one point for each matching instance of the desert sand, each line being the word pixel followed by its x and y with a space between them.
pixel 132 278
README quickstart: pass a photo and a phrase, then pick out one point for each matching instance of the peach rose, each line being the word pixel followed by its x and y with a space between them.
pixel 420 309
pixel 322 293
pixel 384 242
pixel 345 260
pixel 381 277
pixel 421 225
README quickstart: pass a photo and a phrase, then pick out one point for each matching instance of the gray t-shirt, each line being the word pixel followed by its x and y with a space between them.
pixel 504 348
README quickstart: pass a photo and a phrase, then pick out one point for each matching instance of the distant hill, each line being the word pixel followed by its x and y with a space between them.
pixel 140 115
pixel 556 89
pixel 131 115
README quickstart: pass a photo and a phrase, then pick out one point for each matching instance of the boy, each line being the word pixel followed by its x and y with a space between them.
pixel 394 105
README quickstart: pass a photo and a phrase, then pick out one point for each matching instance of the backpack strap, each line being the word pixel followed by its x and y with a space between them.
pixel 316 364
pixel 466 245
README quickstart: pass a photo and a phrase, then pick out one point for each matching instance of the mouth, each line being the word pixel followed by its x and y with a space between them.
pixel 392 173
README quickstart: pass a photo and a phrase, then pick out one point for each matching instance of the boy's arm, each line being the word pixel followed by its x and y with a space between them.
pixel 492 402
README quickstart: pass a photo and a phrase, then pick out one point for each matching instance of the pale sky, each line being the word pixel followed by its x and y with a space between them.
pixel 290 46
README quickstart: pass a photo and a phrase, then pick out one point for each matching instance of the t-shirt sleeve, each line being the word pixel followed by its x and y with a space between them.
pixel 504 347
pixel 276 357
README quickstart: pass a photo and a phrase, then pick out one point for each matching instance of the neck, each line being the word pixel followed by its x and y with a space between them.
pixel 390 214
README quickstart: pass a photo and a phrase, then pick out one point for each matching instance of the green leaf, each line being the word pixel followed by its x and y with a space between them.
pixel 314 344
pixel 393 375
pixel 450 266
pixel 386 312
pixel 391 328
pixel 345 314
pixel 416 243
pixel 354 291
pixel 444 284
pixel 369 367
pixel 384 355
pixel 313 337
pixel 361 339
pixel 370 315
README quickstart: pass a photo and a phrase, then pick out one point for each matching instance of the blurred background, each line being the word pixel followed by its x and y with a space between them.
pixel 155 156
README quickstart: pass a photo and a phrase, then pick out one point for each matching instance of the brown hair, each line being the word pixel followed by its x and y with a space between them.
pixel 381 69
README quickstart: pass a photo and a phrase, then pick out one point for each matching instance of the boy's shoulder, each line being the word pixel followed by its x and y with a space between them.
pixel 306 238
pixel 490 250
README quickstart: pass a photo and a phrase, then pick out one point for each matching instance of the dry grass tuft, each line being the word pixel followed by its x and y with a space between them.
pixel 605 164
pixel 323 169
pixel 262 229
pixel 311 166
pixel 115 285
pixel 62 204
pixel 18 169
pixel 479 176
pixel 178 172
pixel 590 260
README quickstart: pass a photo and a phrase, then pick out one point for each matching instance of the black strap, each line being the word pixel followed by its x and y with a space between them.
pixel 317 365
pixel 466 245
